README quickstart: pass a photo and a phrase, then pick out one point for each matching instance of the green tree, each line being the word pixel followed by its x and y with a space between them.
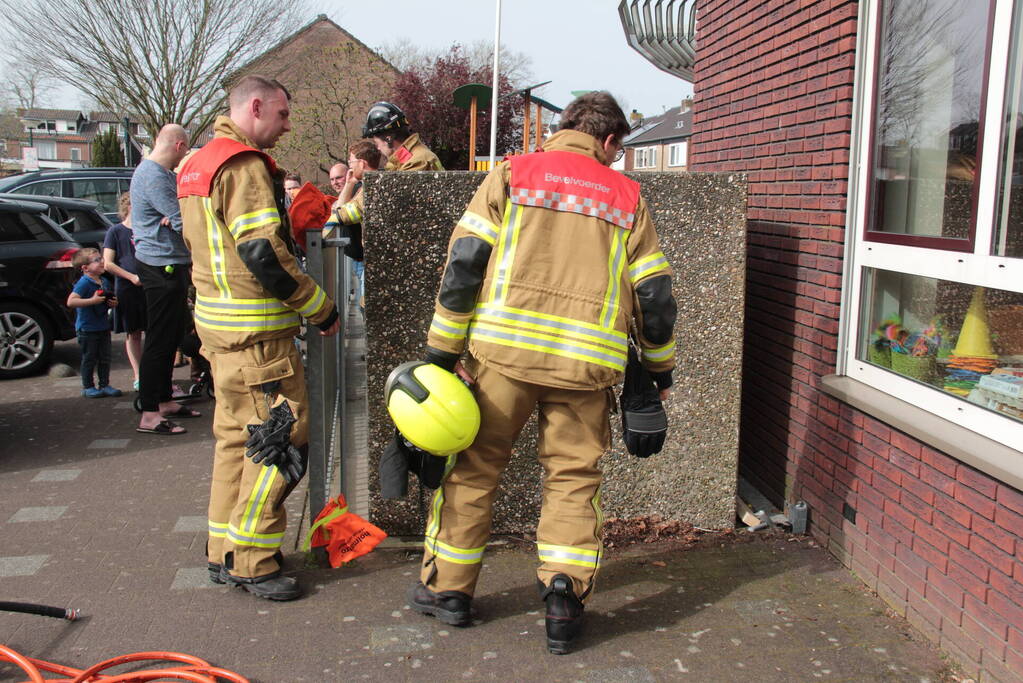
pixel 106 149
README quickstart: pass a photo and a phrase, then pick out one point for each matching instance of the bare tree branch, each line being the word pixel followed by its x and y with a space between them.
pixel 164 59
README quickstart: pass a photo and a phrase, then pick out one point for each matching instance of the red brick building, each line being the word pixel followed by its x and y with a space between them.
pixel 883 143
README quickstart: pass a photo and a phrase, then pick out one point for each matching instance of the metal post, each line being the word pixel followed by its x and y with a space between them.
pixel 319 407
pixel 493 95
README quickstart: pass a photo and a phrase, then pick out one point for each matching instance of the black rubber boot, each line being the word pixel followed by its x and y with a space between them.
pixel 450 607
pixel 270 587
pixel 564 614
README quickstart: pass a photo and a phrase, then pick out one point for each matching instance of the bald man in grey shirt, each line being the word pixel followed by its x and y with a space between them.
pixel 163 265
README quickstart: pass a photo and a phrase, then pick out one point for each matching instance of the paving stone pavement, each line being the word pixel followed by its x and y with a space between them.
pixel 118 533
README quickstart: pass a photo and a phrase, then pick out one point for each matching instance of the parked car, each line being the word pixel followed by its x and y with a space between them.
pixel 100 185
pixel 79 218
pixel 36 277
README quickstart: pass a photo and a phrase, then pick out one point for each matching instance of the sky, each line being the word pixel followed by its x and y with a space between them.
pixel 576 44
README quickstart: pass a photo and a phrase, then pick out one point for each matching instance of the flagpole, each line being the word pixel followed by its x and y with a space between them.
pixel 493 96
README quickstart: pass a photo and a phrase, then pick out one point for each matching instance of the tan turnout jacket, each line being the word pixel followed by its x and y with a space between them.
pixel 248 284
pixel 569 242
pixel 413 155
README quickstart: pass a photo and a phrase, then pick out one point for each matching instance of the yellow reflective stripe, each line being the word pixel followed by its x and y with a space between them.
pixel 480 226
pixel 215 305
pixel 350 213
pixel 217 530
pixel 252 220
pixel 216 244
pixel 260 490
pixel 566 554
pixel 454 554
pixel 522 322
pixel 647 265
pixel 615 266
pixel 545 343
pixel 237 323
pixel 506 251
pixel 599 522
pixel 438 500
pixel 239 537
pixel 448 328
pixel 314 304
pixel 661 352
pixel 555 321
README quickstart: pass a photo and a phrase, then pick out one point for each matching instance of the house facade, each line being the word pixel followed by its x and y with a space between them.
pixel 62 138
pixel 333 79
pixel 883 354
pixel 661 143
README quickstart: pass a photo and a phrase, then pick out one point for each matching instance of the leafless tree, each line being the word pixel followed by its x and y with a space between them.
pixel 167 59
pixel 517 66
pixel 24 86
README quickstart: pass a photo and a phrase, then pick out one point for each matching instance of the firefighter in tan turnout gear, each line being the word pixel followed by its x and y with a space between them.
pixel 552 263
pixel 251 297
pixel 387 126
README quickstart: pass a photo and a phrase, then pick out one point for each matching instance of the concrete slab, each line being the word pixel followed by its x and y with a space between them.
pixel 46 513
pixel 57 475
pixel 26 565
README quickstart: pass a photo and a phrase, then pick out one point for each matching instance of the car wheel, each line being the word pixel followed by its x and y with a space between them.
pixel 26 340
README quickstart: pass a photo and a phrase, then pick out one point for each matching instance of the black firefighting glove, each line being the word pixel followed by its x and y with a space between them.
pixel 644 422
pixel 269 443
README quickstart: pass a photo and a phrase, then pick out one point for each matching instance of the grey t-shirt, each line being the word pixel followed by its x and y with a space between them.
pixel 154 196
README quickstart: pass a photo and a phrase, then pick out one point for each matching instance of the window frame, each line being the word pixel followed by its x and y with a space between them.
pixel 649 155
pixel 920 256
pixel 673 147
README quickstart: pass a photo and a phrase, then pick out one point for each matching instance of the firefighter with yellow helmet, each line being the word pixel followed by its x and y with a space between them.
pixel 251 297
pixel 554 261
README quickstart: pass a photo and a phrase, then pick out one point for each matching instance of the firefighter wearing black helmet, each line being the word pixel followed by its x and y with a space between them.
pixel 387 126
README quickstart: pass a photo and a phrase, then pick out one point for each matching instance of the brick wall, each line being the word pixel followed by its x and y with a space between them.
pixel 939 541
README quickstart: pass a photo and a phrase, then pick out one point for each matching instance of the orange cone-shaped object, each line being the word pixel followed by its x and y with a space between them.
pixel 975 335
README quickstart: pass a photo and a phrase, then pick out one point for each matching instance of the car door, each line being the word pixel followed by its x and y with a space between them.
pixel 41 188
pixel 104 191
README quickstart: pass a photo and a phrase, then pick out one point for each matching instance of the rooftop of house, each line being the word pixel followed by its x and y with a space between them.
pixel 674 124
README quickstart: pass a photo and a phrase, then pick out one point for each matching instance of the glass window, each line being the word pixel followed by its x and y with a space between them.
pixel 677 154
pixel 927 121
pixel 76 154
pixel 46 149
pixel 962 339
pixel 645 157
pixel 45 188
pixel 23 227
pixel 102 190
pixel 1008 233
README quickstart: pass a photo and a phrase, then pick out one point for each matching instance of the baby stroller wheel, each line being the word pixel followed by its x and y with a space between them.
pixel 137 403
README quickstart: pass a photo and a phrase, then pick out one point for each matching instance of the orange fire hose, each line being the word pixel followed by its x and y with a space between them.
pixel 195 670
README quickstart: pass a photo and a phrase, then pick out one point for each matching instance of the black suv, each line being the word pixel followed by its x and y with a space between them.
pixel 36 277
pixel 100 185
pixel 80 218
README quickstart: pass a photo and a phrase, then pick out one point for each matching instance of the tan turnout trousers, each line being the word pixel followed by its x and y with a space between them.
pixel 574 431
pixel 246 513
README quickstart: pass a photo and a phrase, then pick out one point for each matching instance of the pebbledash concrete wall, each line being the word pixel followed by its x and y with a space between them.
pixel 701 223
pixel 940 541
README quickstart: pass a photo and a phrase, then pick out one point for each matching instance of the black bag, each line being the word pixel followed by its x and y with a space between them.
pixel 644 422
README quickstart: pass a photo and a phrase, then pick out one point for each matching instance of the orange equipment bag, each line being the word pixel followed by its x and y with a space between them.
pixel 309 210
pixel 346 535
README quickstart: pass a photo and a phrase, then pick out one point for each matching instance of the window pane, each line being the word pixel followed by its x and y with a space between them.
pixel 46 188
pixel 102 190
pixel 961 339
pixel 1008 236
pixel 927 120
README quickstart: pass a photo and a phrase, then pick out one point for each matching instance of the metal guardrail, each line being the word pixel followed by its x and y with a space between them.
pixel 326 370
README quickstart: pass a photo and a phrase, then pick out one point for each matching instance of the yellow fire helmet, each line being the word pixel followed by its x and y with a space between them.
pixel 432 408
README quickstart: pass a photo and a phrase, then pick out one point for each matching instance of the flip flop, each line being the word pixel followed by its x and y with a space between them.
pixel 183 411
pixel 164 427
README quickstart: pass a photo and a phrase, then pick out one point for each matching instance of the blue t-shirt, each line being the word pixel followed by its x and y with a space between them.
pixel 119 238
pixel 91 318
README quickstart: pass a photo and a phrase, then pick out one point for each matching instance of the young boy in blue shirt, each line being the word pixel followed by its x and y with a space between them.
pixel 91 299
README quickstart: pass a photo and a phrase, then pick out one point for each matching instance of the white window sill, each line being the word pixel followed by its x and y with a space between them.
pixel 998 460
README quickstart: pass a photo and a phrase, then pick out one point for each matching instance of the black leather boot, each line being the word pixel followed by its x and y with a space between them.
pixel 450 607
pixel 214 567
pixel 271 587
pixel 564 614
